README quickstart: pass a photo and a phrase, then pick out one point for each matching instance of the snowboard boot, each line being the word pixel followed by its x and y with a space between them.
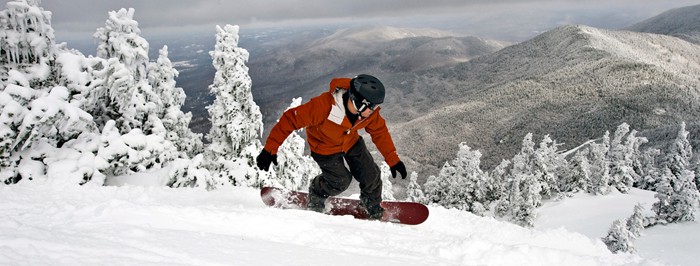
pixel 374 212
pixel 316 203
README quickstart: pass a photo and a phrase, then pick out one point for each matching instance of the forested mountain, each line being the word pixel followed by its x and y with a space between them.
pixel 682 22
pixel 573 83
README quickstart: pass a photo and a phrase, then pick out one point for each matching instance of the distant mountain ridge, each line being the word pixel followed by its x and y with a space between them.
pixel 680 22
pixel 573 82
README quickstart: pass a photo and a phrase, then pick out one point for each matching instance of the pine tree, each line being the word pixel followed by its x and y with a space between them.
pixel 681 152
pixel 472 184
pixel 619 239
pixel 580 173
pixel 437 187
pixel 549 166
pixel 461 183
pixel 525 212
pixel 664 191
pixel 120 38
pixel 37 119
pixel 26 38
pixel 600 167
pixel 236 118
pixel 650 174
pixel 635 223
pixel 387 187
pixel 677 196
pixel 123 94
pixel 620 156
pixel 633 144
pixel 161 76
pixel 676 190
pixel 414 192
pixel 522 188
pixel 497 180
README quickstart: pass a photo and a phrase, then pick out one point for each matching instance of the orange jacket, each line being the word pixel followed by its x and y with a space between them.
pixel 328 130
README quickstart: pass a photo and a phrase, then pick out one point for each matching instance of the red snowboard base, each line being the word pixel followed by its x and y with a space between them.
pixel 394 211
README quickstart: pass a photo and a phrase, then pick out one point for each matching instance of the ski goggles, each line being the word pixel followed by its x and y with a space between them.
pixel 363 103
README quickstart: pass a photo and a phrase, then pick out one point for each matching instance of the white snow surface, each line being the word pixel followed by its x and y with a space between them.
pixel 47 223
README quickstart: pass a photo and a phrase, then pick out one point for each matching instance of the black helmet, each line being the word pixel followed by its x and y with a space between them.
pixel 368 87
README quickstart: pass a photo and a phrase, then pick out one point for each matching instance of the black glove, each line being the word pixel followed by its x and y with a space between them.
pixel 265 159
pixel 401 168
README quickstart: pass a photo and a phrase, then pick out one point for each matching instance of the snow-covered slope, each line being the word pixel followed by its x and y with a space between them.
pixel 49 224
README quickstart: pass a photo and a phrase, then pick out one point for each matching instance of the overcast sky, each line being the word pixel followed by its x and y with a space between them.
pixel 82 17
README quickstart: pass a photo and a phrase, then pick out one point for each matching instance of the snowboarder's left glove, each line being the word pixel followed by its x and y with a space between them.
pixel 265 159
pixel 401 168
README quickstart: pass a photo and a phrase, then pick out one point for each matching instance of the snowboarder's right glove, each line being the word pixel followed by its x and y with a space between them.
pixel 265 159
pixel 398 167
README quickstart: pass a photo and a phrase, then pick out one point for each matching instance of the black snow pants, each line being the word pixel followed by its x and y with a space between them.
pixel 335 177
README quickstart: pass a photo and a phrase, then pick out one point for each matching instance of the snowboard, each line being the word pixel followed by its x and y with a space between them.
pixel 410 213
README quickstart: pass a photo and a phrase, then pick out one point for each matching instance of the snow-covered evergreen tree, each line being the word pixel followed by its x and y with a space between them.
pixel 633 144
pixel 600 167
pixel 387 187
pixel 472 181
pixel 236 118
pixel 27 42
pixel 676 190
pixel 677 196
pixel 462 183
pixel 188 173
pixel 123 99
pixel 123 94
pixel 649 172
pixel 120 38
pixel 437 187
pixel 621 172
pixel 74 119
pixel 579 175
pixel 522 188
pixel 549 166
pixel 635 223
pixel 133 152
pixel 524 211
pixel 619 239
pixel 414 192
pixel 498 179
pixel 161 76
pixel 31 122
pixel 37 116
pixel 680 153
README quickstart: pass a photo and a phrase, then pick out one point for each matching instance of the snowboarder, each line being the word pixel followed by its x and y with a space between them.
pixel 332 120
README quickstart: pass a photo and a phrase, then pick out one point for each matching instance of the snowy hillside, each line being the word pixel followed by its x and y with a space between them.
pixel 47 223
